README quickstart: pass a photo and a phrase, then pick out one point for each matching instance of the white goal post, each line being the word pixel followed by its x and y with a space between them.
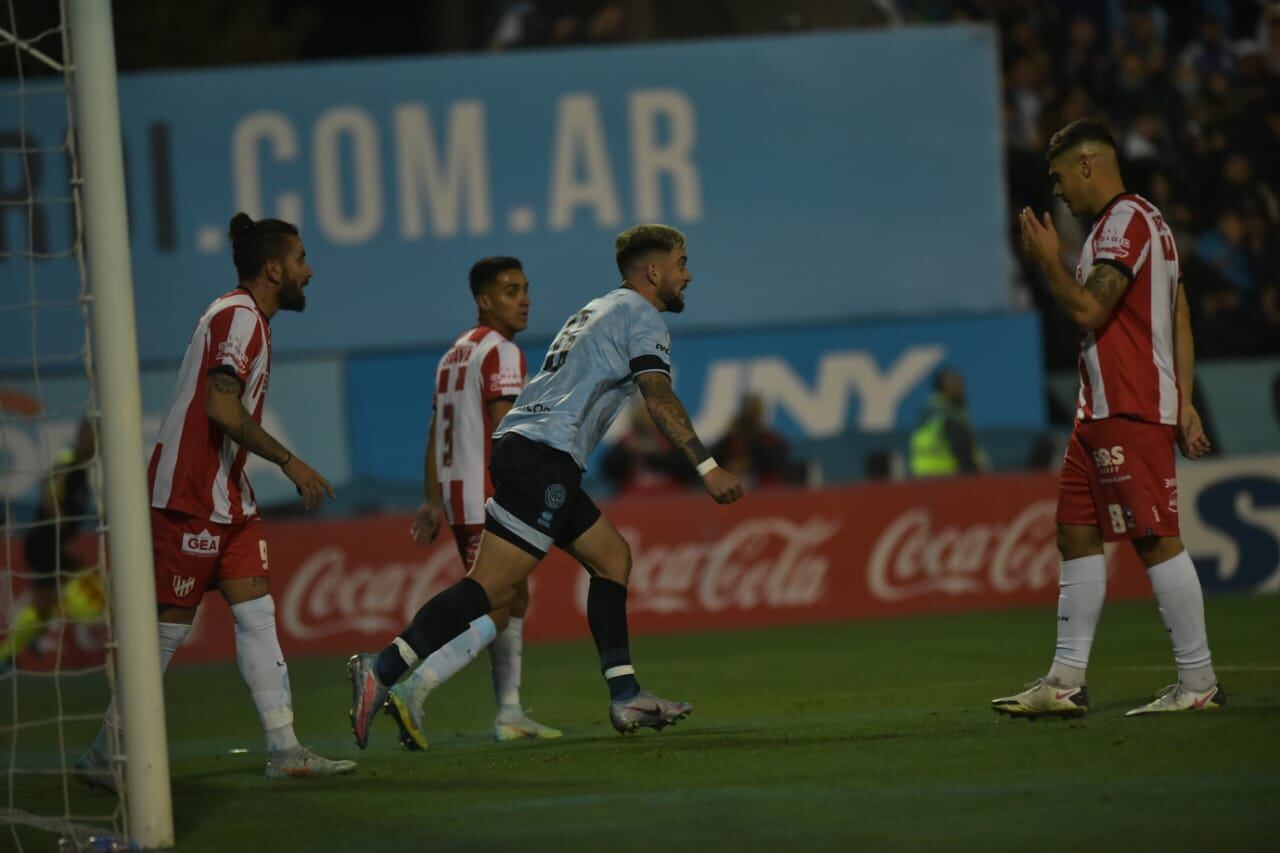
pixel 139 695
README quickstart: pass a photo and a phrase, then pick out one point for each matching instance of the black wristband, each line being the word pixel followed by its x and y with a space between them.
pixel 287 460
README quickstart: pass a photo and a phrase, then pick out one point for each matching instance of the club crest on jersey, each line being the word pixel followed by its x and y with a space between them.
pixel 182 585
pixel 230 350
pixel 555 496
pixel 202 544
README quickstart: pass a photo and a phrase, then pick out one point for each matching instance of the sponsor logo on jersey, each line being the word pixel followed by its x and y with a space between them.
pixel 1108 460
pixel 1113 243
pixel 202 544
pixel 230 350
pixel 508 378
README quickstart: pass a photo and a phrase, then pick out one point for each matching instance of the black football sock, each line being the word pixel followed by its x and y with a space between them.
pixel 436 623
pixel 607 616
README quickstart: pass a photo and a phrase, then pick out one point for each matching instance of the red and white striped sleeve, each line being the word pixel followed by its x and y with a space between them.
pixel 235 342
pixel 1124 240
pixel 502 372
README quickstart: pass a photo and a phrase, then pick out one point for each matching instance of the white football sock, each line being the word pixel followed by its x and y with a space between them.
pixel 505 657
pixel 1081 590
pixel 446 661
pixel 264 670
pixel 1181 603
pixel 171 636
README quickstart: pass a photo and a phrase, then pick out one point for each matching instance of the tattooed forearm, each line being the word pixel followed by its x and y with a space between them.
pixel 670 416
pixel 1105 283
pixel 225 408
pixel 250 435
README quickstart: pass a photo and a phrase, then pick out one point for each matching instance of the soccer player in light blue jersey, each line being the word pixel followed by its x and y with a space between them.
pixel 614 345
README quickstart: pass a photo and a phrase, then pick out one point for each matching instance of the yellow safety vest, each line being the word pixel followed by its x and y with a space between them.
pixel 931 454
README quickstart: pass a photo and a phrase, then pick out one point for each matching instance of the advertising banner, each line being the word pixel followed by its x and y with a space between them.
pixel 779 557
pixel 817 176
pixel 815 383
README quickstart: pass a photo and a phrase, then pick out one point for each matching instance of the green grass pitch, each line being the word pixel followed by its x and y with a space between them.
pixel 869 735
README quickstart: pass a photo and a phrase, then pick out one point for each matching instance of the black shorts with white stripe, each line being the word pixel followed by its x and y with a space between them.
pixel 538 499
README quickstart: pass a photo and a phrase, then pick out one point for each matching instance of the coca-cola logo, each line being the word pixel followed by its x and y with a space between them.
pixel 325 597
pixel 912 559
pixel 769 563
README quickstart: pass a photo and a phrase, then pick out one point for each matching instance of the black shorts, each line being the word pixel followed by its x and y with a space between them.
pixel 538 499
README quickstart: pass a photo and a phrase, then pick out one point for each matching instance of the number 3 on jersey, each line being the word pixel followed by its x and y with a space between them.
pixel 446 435
pixel 564 341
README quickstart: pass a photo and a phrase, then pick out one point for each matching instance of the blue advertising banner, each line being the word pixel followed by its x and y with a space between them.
pixel 817 177
pixel 815 382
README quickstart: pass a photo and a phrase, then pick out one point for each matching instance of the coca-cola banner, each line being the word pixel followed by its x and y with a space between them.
pixel 775 558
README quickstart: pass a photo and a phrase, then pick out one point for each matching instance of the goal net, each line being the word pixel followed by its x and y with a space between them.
pixel 56 670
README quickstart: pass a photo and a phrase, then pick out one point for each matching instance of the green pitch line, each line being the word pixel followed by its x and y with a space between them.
pixel 871 735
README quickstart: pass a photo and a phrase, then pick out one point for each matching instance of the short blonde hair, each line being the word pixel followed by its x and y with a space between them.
pixel 639 240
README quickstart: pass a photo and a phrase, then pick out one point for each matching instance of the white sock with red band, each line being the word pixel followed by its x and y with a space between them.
pixel 264 670
pixel 1082 589
pixel 1181 602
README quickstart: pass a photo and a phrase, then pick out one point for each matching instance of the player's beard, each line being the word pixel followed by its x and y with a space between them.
pixel 675 303
pixel 292 297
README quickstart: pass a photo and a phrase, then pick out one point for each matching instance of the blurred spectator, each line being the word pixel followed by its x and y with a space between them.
pixel 1262 243
pixel 945 443
pixel 1209 52
pixel 643 462
pixel 877 465
pixel 1241 190
pixel 1085 60
pixel 1224 249
pixel 755 452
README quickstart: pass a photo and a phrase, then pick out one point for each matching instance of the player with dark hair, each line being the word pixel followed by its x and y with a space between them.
pixel 205 529
pixel 477 380
pixel 615 344
pixel 1118 480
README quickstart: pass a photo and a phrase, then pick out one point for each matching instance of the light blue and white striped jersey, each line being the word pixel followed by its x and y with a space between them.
pixel 589 373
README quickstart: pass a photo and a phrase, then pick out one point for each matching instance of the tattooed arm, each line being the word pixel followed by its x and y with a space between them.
pixel 672 420
pixel 223 406
pixel 1088 306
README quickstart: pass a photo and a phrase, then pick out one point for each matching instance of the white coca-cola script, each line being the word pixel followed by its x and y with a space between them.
pixel 766 563
pixel 326 597
pixel 912 559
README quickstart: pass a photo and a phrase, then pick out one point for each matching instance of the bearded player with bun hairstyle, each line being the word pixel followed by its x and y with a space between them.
pixel 205 529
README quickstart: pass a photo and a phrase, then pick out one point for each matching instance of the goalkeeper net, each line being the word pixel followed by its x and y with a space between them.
pixel 55 672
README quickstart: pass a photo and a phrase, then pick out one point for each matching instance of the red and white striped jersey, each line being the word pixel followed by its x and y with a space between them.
pixel 195 468
pixel 1127 363
pixel 482 366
